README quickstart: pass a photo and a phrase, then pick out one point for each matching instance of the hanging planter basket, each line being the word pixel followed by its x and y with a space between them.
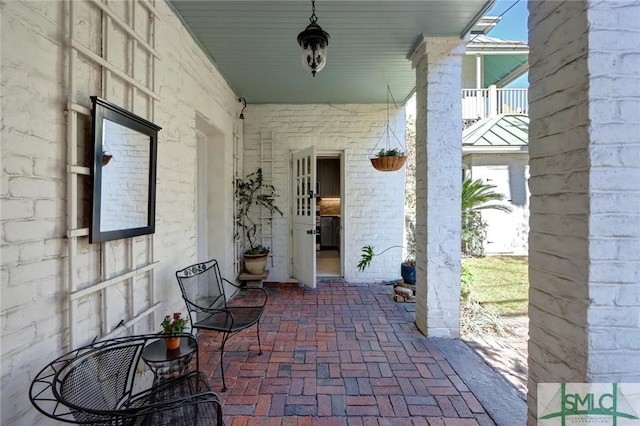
pixel 388 164
pixel 388 159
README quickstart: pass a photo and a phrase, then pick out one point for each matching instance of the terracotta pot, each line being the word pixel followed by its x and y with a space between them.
pixel 388 164
pixel 172 342
pixel 255 264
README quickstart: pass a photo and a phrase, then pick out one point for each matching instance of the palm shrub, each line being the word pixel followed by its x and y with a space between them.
pixel 476 196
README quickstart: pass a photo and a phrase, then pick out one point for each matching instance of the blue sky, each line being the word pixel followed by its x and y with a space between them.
pixel 512 26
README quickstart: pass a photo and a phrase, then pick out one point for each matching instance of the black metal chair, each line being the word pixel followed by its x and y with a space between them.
pixel 204 291
pixel 102 384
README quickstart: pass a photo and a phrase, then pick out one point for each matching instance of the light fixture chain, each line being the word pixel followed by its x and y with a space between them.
pixel 313 17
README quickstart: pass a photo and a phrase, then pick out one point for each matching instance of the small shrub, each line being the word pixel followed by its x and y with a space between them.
pixel 479 320
pixel 476 319
pixel 474 232
pixel 466 280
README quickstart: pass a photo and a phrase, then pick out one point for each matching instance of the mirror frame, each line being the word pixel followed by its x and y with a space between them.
pixel 105 110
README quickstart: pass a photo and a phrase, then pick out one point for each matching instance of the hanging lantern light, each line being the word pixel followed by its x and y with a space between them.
pixel 313 41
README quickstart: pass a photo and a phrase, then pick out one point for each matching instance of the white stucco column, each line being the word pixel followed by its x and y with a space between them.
pixel 584 240
pixel 438 65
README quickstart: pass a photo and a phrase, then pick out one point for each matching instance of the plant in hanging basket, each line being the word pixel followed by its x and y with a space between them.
pixel 389 160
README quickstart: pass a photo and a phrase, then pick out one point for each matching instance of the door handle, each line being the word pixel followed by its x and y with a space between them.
pixel 311 231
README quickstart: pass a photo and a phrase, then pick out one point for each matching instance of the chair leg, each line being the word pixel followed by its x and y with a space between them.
pixel 259 345
pixel 219 415
pixel 224 341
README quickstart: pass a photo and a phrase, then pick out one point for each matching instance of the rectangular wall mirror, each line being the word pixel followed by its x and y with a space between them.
pixel 123 173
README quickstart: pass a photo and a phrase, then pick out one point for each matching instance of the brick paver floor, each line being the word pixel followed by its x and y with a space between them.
pixel 342 354
pixel 507 355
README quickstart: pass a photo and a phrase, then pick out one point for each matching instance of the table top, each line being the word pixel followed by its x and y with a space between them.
pixel 157 350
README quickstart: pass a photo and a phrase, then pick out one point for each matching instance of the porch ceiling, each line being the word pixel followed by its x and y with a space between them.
pixel 253 44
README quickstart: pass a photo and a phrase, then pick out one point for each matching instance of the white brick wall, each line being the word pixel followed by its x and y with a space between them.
pixel 33 214
pixel 585 168
pixel 33 187
pixel 374 201
pixel 614 154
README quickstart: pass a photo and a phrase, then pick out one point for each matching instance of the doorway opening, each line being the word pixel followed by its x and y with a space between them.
pixel 329 216
pixel 209 194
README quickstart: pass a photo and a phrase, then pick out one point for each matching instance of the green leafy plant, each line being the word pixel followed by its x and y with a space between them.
pixel 173 325
pixel 476 196
pixel 258 249
pixel 466 280
pixel 395 152
pixel 251 194
pixel 368 254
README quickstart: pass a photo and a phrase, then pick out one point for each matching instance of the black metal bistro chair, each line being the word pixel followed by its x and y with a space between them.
pixel 205 293
pixel 103 384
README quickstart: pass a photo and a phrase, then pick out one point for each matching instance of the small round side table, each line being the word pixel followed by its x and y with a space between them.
pixel 167 363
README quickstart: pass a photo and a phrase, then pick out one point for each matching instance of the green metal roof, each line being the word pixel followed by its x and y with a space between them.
pixel 505 130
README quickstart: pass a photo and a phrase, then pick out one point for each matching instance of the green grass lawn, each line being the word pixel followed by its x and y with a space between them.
pixel 500 282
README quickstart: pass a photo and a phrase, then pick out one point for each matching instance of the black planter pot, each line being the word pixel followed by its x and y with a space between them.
pixel 408 273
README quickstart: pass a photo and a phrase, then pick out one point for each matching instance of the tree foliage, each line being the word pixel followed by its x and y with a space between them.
pixel 251 193
pixel 478 195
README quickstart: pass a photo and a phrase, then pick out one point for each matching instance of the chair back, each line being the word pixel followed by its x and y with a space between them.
pixel 202 288
pixel 97 378
pixel 94 384
pixel 100 379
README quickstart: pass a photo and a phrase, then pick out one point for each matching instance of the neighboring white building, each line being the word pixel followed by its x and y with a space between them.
pixel 495 138
pixel 496 151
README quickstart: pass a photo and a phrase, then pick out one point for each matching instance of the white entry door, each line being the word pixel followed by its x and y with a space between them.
pixel 501 229
pixel 304 216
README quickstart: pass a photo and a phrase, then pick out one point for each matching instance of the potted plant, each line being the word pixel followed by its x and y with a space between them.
pixel 389 160
pixel 405 291
pixel 407 267
pixel 408 270
pixel 252 193
pixel 173 326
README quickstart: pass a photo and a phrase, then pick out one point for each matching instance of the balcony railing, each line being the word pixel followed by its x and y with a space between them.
pixel 485 103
